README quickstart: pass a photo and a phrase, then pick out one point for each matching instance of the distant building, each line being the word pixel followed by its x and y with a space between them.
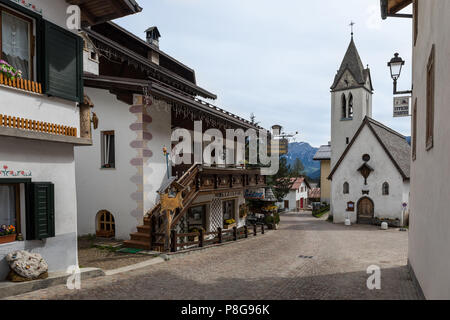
pixel 297 198
pixel 324 156
pixel 314 195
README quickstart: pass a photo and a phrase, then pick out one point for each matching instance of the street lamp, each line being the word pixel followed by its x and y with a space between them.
pixel 396 65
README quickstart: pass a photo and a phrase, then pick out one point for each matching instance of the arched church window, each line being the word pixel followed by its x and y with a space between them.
pixel 346 188
pixel 344 107
pixel 350 106
pixel 385 189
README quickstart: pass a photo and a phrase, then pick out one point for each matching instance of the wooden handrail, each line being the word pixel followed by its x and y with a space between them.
pixel 39 126
pixel 21 84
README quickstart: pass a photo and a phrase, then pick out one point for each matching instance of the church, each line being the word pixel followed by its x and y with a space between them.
pixel 370 162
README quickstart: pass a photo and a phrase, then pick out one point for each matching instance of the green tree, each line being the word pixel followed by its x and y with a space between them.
pixel 281 182
pixel 298 169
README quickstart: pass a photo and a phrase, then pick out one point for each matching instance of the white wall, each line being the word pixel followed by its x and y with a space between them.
pixel 39 107
pixel 47 162
pixel 107 189
pixel 384 171
pixel 129 190
pixel 155 167
pixel 429 236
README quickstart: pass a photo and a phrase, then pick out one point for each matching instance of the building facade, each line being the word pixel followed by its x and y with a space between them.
pixel 40 123
pixel 429 220
pixel 324 156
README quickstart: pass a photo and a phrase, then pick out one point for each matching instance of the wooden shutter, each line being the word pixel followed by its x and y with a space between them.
pixel 63 63
pixel 40 211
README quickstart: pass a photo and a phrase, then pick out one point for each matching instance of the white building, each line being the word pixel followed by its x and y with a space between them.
pixel 369 161
pixel 39 127
pixel 297 198
pixel 139 101
pixel 429 236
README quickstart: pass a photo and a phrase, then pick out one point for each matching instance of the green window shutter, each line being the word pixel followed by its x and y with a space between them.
pixel 63 63
pixel 40 211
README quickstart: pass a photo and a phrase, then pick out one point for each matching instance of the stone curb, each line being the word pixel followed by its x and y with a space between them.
pixel 8 289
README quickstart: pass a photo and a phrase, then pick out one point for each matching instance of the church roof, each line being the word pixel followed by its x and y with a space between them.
pixel 352 62
pixel 394 143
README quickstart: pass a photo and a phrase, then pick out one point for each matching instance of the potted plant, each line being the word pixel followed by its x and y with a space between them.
pixel 7 234
pixel 8 71
pixel 229 224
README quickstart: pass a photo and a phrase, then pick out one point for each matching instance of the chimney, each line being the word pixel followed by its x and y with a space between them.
pixel 153 36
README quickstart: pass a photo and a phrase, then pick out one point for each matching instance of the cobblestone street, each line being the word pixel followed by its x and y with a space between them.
pixel 307 258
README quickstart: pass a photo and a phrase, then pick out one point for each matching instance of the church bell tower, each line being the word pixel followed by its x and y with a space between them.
pixel 351 101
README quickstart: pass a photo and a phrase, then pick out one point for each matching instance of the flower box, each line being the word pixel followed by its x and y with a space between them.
pixel 229 226
pixel 8 238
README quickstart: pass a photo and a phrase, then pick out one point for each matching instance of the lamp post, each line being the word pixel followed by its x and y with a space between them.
pixel 396 64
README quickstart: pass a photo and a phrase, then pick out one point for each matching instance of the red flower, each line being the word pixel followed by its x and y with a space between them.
pixel 11 172
pixel 5 167
pixel 23 172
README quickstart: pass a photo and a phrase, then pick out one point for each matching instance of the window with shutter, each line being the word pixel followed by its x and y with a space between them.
pixel 63 63
pixel 40 211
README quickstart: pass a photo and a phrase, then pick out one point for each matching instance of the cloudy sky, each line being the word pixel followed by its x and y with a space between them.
pixel 278 59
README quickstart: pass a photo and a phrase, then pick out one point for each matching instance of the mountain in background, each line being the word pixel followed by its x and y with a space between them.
pixel 305 152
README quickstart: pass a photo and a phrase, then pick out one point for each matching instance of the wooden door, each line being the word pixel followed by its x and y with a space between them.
pixel 301 203
pixel 365 210
pixel 286 204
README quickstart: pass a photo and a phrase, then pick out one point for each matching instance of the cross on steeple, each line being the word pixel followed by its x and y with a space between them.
pixel 351 26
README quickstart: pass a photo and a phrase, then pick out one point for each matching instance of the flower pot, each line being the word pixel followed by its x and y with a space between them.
pixel 8 238
pixel 229 226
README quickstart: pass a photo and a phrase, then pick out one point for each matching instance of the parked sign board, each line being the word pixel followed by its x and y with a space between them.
pixel 401 107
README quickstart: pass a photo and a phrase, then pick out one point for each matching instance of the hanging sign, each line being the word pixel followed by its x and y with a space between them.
pixel 401 107
pixel 255 194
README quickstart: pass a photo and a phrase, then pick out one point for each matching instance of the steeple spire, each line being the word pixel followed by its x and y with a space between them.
pixel 351 26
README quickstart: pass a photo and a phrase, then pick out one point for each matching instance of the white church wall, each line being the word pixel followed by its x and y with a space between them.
pixel 389 206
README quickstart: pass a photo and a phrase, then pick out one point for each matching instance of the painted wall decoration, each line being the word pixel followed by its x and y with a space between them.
pixel 5 171
pixel 28 5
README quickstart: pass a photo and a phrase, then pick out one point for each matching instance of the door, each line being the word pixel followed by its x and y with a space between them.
pixel 301 203
pixel 365 211
pixel 286 204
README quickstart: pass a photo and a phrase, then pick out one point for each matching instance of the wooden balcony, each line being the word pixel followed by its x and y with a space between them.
pixel 21 84
pixel 37 126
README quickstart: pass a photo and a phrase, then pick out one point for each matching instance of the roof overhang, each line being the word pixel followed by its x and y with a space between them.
pixel 97 11
pixel 137 86
pixel 390 8
pixel 143 63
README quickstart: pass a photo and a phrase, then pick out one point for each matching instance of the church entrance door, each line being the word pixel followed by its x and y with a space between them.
pixel 366 211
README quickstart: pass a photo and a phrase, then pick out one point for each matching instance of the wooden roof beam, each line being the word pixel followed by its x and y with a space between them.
pixel 390 8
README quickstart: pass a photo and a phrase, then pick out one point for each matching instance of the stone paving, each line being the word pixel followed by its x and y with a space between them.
pixel 307 258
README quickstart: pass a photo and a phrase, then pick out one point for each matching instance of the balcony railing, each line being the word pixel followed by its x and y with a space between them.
pixel 37 126
pixel 21 84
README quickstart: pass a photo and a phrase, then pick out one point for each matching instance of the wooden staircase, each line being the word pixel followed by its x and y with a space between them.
pixel 152 235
